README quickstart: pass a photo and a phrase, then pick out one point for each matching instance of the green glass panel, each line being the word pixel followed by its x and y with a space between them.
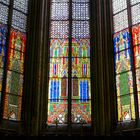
pixel 14 83
pixel 125 100
pixel 16 61
pixel 13 100
pixel 124 83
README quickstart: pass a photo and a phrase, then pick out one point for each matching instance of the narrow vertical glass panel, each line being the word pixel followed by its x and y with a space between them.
pixel 2 56
pixel 123 61
pixel 81 112
pixel 59 60
pixel 80 67
pixel 3 34
pixel 81 48
pixel 122 41
pixel 58 89
pixel 80 1
pixel 121 21
pixel 58 67
pixel 5 1
pixel 135 14
pixel 19 21
pixel 59 29
pixel 137 56
pixel 138 79
pixel 1 79
pixel 119 5
pixel 3 14
pixel 12 108
pixel 14 83
pixel 80 11
pixel 16 61
pixel 81 89
pixel 57 112
pixel 126 109
pixel 134 2
pixel 80 29
pixel 21 5
pixel 136 34
pixel 124 82
pixel 60 11
pixel 59 48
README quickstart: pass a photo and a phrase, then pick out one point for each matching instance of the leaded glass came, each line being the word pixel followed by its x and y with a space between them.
pixel 65 52
pixel 126 43
pixel 14 48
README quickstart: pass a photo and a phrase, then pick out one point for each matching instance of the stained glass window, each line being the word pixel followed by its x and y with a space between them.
pixel 12 54
pixel 69 74
pixel 3 39
pixel 126 44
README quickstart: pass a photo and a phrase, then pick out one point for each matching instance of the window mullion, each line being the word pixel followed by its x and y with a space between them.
pixel 70 64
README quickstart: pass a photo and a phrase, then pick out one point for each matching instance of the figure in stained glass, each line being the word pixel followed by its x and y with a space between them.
pixel 121 41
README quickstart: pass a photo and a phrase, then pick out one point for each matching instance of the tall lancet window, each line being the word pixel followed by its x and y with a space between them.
pixel 126 16
pixel 69 74
pixel 13 21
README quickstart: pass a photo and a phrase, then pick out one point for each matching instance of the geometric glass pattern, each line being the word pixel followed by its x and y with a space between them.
pixel 5 1
pixel 80 11
pixel 59 29
pixel 21 5
pixel 119 5
pixel 134 2
pixel 125 45
pixel 60 11
pixel 16 46
pixel 3 13
pixel 65 52
pixel 80 29
pixel 120 21
pixel 135 16
pixel 19 21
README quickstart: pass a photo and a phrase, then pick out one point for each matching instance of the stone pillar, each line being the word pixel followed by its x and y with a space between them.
pixel 35 103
